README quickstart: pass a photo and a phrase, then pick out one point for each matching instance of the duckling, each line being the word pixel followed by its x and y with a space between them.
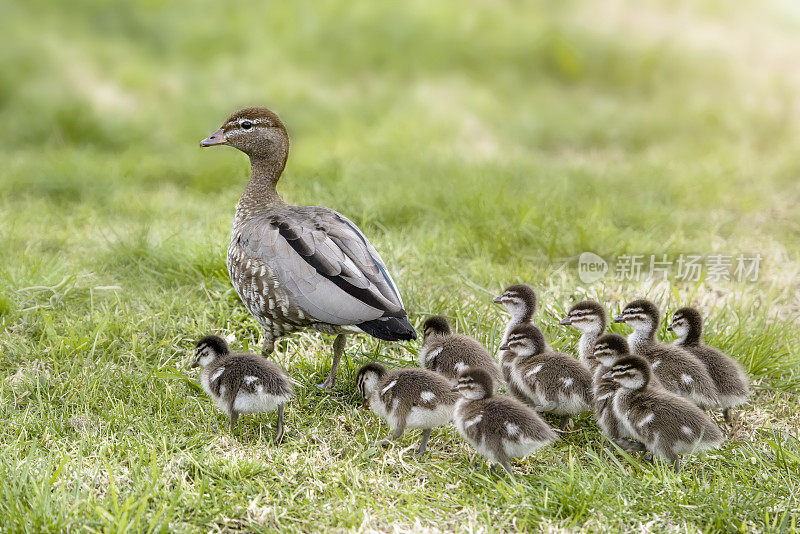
pixel 607 350
pixel 449 354
pixel 666 423
pixel 241 383
pixel 728 375
pixel 589 317
pixel 521 302
pixel 498 427
pixel 302 267
pixel 678 370
pixel 551 381
pixel 407 398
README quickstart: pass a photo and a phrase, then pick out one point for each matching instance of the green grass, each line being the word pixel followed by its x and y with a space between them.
pixel 476 148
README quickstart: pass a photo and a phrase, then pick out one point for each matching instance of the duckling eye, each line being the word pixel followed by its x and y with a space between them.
pixel 247 125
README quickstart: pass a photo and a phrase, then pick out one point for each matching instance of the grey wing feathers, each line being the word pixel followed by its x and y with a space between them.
pixel 330 270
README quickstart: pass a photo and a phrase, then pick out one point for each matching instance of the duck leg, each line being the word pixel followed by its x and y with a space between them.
pixel 426 435
pixel 338 350
pixel 268 346
pixel 279 425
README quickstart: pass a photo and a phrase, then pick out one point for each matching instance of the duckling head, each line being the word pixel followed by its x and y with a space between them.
pixel 367 380
pixel 208 349
pixel 687 323
pixel 586 316
pixel 631 372
pixel 524 340
pixel 474 384
pixel 641 315
pixel 520 301
pixel 258 132
pixel 435 326
pixel 609 348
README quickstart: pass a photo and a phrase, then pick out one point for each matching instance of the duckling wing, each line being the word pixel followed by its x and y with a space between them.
pixel 328 268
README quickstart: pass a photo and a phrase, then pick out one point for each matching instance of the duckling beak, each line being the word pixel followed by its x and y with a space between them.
pixel 669 328
pixel 566 321
pixel 619 319
pixel 498 299
pixel 590 356
pixel 454 387
pixel 606 376
pixel 216 138
pixel 194 364
pixel 505 346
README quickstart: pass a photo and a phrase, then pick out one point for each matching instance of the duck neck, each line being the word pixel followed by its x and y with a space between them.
pixel 692 337
pixel 641 338
pixel 260 190
pixel 586 343
pixel 518 316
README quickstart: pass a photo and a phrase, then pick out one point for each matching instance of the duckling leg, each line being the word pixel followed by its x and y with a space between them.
pixel 730 415
pixel 279 425
pixel 234 418
pixel 563 422
pixel 676 464
pixel 507 466
pixel 426 435
pixel 338 350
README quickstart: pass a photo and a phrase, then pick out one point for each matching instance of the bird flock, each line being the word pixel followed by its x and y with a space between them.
pixel 645 395
pixel 309 267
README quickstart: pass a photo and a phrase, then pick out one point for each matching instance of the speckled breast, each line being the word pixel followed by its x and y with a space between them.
pixel 260 292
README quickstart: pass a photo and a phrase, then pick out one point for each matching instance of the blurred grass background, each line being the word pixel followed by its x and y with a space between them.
pixel 475 145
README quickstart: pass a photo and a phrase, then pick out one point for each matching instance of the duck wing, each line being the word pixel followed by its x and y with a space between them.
pixel 329 269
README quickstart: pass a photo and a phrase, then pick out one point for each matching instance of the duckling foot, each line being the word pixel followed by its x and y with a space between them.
pixel 630 445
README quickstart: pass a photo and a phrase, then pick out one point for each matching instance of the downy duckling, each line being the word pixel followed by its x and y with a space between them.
pixel 666 423
pixel 521 302
pixel 407 398
pixel 678 370
pixel 498 427
pixel 449 354
pixel 550 381
pixel 728 375
pixel 589 317
pixel 608 349
pixel 241 383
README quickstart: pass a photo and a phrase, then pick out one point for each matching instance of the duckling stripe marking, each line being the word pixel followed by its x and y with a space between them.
pixel 390 386
pixel 427 396
pixel 217 374
pixel 646 420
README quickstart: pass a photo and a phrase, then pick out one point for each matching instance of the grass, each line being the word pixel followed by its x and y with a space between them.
pixel 475 148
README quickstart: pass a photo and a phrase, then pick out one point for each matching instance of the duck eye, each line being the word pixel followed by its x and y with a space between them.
pixel 247 125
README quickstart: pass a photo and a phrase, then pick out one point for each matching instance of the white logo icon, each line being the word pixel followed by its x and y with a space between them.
pixel 591 267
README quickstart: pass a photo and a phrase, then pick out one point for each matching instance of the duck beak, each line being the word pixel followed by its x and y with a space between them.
pixel 216 138
pixel 504 346
pixel 619 319
pixel 498 299
pixel 566 321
